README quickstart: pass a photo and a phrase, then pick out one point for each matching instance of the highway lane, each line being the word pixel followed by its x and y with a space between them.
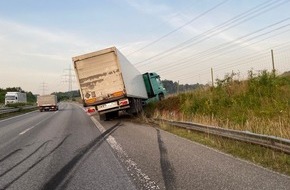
pixel 58 150
pixel 171 162
pixel 66 150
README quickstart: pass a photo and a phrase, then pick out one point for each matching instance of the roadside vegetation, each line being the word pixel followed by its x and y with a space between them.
pixel 68 96
pixel 260 104
pixel 30 97
pixel 19 112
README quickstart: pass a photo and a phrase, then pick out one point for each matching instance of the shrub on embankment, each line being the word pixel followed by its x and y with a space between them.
pixel 260 104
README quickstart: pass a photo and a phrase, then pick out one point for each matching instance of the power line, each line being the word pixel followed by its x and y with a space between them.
pixel 180 27
pixel 219 50
pixel 240 61
pixel 241 18
pixel 128 44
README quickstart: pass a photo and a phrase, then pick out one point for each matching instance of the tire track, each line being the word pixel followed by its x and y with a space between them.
pixel 61 177
pixel 23 160
pixel 36 163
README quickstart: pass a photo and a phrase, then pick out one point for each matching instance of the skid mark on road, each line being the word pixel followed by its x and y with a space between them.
pixel 10 154
pixel 144 180
pixel 17 164
pixel 166 166
pixel 36 163
pixel 62 177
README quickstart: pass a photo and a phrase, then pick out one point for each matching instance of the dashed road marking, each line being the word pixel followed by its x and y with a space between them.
pixel 28 129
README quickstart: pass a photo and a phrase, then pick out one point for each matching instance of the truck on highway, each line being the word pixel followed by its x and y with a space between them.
pixel 47 103
pixel 110 83
pixel 15 97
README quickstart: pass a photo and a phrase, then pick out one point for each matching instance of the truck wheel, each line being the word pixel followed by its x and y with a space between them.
pixel 161 97
pixel 140 106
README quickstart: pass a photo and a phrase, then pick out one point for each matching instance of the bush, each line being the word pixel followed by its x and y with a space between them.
pixel 263 96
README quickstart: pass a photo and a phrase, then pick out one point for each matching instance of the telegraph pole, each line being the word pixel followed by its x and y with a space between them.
pixel 177 87
pixel 69 80
pixel 273 63
pixel 211 70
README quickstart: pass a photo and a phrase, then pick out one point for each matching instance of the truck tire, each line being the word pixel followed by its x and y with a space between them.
pixel 136 106
pixel 161 97
pixel 140 106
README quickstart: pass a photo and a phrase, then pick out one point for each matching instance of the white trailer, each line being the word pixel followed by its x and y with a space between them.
pixel 15 97
pixel 109 81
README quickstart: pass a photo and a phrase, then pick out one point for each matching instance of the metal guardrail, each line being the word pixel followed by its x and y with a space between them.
pixel 273 142
pixel 10 110
pixel 29 107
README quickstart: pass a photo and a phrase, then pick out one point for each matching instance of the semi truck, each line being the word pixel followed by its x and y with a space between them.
pixel 15 97
pixel 110 83
pixel 47 103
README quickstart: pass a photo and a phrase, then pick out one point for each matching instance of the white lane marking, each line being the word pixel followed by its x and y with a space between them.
pixel 28 129
pixel 23 132
pixel 131 166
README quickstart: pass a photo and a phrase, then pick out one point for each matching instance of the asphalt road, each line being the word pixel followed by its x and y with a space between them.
pixel 68 149
pixel 171 162
pixel 58 150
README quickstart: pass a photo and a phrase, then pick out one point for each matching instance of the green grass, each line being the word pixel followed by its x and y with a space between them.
pixel 260 104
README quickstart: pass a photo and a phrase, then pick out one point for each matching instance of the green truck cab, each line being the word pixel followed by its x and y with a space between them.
pixel 154 87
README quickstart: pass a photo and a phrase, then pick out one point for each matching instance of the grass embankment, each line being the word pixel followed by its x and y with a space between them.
pixel 260 104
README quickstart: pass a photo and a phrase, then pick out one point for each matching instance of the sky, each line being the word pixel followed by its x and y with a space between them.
pixel 181 40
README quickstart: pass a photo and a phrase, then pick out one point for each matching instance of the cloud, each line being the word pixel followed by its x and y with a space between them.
pixel 33 41
pixel 167 14
pixel 32 52
pixel 149 7
pixel 46 56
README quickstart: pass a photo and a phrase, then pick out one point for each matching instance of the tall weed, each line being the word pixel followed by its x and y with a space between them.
pixel 259 104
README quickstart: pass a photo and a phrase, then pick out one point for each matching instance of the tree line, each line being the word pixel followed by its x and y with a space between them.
pixel 62 96
pixel 31 98
pixel 174 87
